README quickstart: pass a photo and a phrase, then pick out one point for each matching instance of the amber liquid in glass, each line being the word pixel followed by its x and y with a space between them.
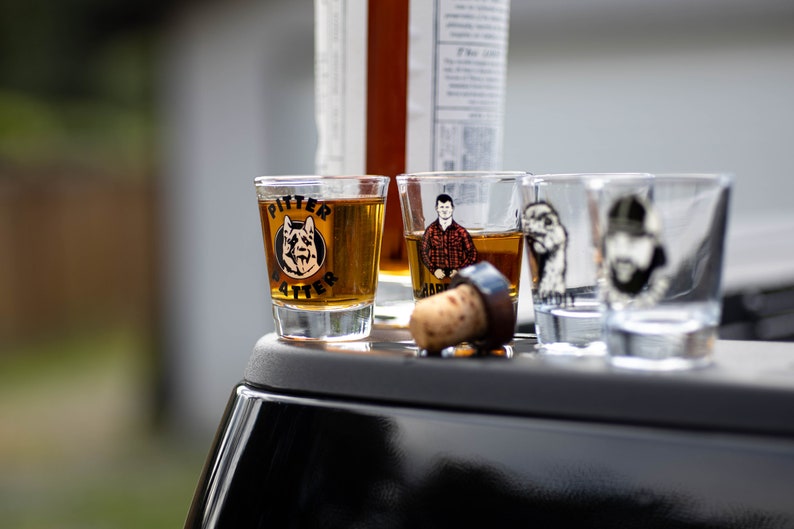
pixel 343 270
pixel 503 250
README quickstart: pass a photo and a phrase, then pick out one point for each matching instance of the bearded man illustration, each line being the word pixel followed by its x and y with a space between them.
pixel 633 251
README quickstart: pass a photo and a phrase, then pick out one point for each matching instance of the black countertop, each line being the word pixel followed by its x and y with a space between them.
pixel 748 389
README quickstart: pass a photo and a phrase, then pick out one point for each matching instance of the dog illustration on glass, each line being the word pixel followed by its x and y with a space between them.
pixel 302 248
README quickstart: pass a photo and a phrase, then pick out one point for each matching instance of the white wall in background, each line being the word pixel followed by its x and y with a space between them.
pixel 622 85
pixel 238 101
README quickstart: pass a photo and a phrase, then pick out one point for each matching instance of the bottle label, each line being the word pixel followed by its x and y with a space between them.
pixel 456 84
pixel 340 85
pixel 457 61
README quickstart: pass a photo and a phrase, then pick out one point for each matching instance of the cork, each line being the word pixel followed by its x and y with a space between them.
pixel 476 309
pixel 453 316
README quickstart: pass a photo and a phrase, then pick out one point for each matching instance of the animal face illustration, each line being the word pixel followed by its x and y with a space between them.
pixel 547 239
pixel 543 228
pixel 299 248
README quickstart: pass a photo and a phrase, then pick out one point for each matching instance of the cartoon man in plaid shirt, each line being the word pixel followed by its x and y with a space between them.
pixel 446 245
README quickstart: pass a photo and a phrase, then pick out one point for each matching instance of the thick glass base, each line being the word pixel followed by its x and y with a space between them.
pixel 595 348
pixel 569 330
pixel 662 339
pixel 666 364
pixel 666 352
pixel 324 325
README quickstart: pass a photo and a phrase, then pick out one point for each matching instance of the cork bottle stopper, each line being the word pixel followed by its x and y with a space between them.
pixel 477 308
pixel 453 316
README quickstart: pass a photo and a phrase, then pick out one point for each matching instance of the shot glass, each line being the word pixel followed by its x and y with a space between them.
pixel 454 219
pixel 660 245
pixel 559 241
pixel 322 237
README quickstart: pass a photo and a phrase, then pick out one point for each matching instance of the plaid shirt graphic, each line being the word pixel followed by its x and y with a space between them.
pixel 450 249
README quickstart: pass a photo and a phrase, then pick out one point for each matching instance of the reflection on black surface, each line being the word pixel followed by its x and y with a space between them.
pixel 350 473
pixel 459 494
pixel 313 466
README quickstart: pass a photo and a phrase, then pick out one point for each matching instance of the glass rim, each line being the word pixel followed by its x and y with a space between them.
pixel 462 175
pixel 314 179
pixel 567 177
pixel 717 176
pixel 701 177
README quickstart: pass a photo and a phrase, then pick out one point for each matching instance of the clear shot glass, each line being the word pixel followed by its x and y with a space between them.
pixel 455 219
pixel 558 228
pixel 659 245
pixel 322 238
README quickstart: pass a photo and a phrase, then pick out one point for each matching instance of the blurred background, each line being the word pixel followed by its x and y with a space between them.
pixel 84 438
pixel 131 266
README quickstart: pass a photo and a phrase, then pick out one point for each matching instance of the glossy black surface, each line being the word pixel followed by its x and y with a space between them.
pixel 374 434
pixel 304 463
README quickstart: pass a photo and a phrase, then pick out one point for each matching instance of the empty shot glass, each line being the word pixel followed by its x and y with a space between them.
pixel 455 219
pixel 322 238
pixel 660 244
pixel 559 241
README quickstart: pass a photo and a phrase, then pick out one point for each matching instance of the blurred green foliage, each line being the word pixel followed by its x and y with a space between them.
pixel 74 448
pixel 90 137
pixel 58 49
pixel 77 84
pixel 79 402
